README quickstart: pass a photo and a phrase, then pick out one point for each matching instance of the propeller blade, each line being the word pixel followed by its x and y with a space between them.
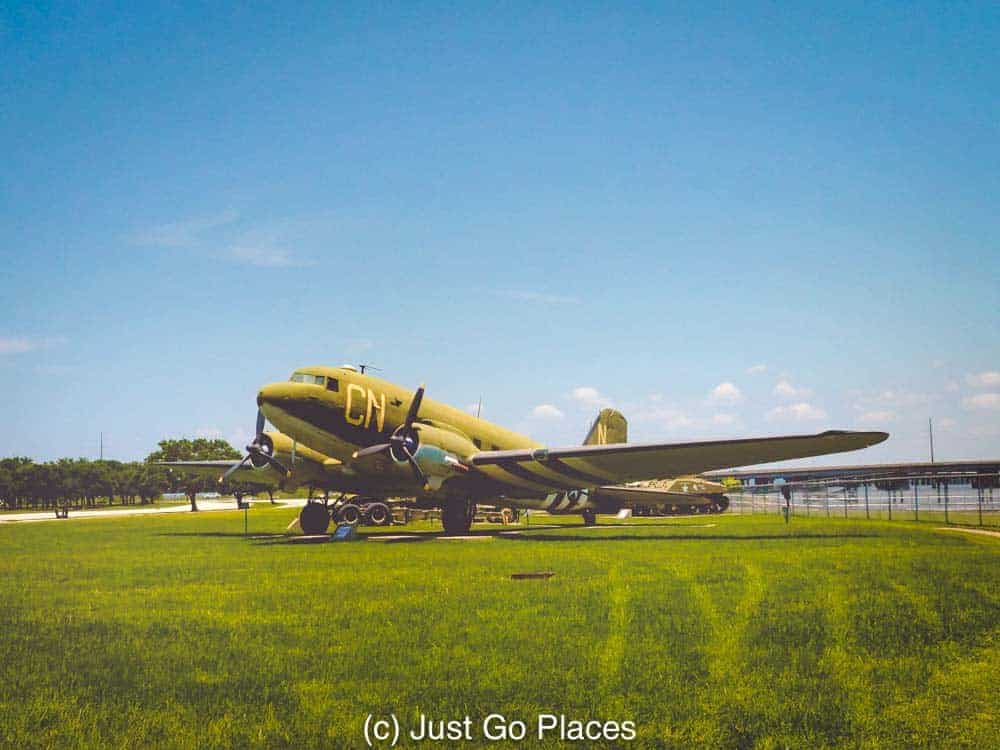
pixel 260 423
pixel 278 466
pixel 233 468
pixel 417 472
pixel 371 450
pixel 411 415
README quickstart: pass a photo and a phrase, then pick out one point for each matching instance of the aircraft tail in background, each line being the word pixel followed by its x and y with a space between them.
pixel 609 427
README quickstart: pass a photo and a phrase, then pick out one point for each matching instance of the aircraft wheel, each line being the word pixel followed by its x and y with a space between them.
pixel 589 517
pixel 314 519
pixel 380 514
pixel 457 515
pixel 349 514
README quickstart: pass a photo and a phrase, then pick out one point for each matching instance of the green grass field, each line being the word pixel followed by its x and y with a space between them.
pixel 178 631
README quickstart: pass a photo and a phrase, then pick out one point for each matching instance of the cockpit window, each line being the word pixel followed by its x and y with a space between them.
pixel 305 377
pixel 332 384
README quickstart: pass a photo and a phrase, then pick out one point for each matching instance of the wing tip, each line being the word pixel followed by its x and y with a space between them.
pixel 873 437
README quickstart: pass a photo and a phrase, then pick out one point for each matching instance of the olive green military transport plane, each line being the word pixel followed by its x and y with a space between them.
pixel 360 434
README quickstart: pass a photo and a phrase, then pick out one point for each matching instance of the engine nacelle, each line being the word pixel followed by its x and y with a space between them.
pixel 441 452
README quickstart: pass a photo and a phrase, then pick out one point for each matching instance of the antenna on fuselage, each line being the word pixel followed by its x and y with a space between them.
pixel 479 407
pixel 364 367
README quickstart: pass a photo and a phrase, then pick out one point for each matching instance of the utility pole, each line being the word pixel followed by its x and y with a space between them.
pixel 930 434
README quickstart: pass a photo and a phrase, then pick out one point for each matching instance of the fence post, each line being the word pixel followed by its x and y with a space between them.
pixel 979 496
pixel 916 516
pixel 868 514
pixel 890 505
pixel 826 492
pixel 946 501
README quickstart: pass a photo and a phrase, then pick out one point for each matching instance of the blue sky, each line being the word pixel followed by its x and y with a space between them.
pixel 725 220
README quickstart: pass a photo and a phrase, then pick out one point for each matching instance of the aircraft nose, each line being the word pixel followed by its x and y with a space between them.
pixel 272 393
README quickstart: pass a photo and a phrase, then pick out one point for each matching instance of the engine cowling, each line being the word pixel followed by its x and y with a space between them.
pixel 440 452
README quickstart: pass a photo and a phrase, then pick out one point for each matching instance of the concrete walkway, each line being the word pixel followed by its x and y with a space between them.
pixel 984 532
pixel 139 510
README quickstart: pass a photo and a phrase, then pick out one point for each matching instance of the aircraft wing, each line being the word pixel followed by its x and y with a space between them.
pixel 630 462
pixel 216 468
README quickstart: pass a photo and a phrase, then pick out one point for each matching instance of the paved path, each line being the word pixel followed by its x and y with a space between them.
pixel 984 532
pixel 139 510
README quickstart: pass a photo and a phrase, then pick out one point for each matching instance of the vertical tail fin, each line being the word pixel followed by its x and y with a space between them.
pixel 609 427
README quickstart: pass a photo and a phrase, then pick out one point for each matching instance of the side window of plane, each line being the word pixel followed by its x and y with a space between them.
pixel 332 384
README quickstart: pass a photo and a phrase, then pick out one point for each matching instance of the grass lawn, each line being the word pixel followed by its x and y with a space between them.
pixel 726 631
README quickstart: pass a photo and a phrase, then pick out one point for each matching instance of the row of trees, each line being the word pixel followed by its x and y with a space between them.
pixel 26 484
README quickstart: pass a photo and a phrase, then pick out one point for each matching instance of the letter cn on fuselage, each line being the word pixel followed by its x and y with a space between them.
pixel 374 406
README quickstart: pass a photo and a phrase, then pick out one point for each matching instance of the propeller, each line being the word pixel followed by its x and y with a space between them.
pixel 260 453
pixel 404 441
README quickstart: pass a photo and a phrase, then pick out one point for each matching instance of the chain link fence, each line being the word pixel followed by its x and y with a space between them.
pixel 971 499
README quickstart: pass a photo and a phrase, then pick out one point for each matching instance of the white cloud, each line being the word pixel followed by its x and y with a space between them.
pixel 725 393
pixel 22 344
pixel 525 295
pixel 878 416
pixel 672 420
pixel 784 389
pixel 756 369
pixel 16 345
pixel 725 419
pixel 663 415
pixel 989 379
pixel 982 402
pixel 185 233
pixel 589 396
pixel 265 257
pixel 800 412
pixel 894 398
pixel 546 411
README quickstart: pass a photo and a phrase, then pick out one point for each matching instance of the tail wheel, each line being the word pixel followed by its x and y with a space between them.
pixel 456 516
pixel 589 517
pixel 314 519
pixel 349 514
pixel 380 514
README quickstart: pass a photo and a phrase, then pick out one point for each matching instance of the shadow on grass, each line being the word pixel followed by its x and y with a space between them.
pixel 528 537
pixel 225 534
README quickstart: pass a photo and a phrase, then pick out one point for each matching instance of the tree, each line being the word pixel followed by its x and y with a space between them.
pixel 200 449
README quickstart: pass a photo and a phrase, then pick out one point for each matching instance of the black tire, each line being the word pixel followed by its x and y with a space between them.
pixel 589 517
pixel 379 514
pixel 314 519
pixel 456 517
pixel 349 514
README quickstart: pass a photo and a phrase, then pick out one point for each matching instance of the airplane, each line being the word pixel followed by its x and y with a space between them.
pixel 382 440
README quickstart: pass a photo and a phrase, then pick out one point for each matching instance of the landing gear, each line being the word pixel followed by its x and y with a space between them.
pixel 589 517
pixel 379 514
pixel 349 514
pixel 457 515
pixel 314 519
